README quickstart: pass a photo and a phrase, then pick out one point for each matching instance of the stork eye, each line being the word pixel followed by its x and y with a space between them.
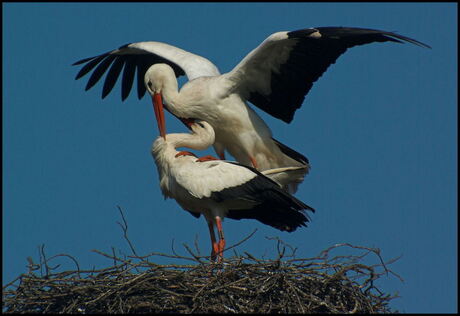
pixel 149 84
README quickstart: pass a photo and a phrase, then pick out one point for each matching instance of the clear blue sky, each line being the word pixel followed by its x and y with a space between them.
pixel 379 128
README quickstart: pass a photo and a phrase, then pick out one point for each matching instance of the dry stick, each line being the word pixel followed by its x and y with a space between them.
pixel 196 245
pixel 112 281
pixel 44 261
pixel 124 262
pixel 11 283
pixel 68 256
pixel 241 241
pixel 124 227
pixel 197 258
pixel 324 254
pixel 41 261
pixel 279 242
pixel 161 255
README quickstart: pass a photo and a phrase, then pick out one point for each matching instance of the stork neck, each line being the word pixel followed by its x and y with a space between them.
pixel 164 149
pixel 167 148
pixel 192 141
pixel 170 92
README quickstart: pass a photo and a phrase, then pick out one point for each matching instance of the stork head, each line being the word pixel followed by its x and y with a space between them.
pixel 160 81
pixel 155 79
pixel 204 131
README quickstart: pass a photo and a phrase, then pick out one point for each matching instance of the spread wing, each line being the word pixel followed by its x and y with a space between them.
pixel 278 74
pixel 135 59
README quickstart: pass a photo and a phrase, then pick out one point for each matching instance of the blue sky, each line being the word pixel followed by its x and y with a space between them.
pixel 379 128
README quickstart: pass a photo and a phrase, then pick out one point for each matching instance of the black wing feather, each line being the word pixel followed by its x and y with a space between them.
pixel 195 214
pixel 89 66
pixel 112 76
pixel 275 206
pixel 291 153
pixel 142 66
pixel 128 78
pixel 84 60
pixel 308 60
pixel 99 71
pixel 131 61
pixel 283 219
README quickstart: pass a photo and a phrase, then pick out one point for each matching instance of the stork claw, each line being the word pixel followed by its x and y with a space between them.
pixel 184 153
pixel 206 158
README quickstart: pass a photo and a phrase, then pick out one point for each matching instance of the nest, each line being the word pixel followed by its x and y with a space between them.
pixel 240 284
pixel 328 283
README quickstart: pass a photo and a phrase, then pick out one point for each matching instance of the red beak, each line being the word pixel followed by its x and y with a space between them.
pixel 187 122
pixel 159 113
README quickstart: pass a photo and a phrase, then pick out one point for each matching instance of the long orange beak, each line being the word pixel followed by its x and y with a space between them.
pixel 159 113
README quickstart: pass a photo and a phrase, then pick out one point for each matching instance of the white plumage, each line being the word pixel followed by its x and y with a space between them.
pixel 275 77
pixel 219 189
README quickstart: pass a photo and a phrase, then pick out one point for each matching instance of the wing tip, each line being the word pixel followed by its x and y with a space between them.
pixel 334 31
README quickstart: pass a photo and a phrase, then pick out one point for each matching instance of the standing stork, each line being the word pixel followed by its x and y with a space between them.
pixel 276 76
pixel 219 189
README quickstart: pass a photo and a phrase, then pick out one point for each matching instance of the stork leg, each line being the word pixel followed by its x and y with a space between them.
pixel 184 153
pixel 221 244
pixel 215 246
pixel 253 161
pixel 206 158
pixel 220 150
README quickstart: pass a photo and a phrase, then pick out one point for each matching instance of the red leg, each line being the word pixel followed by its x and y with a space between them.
pixel 215 246
pixel 206 158
pixel 221 245
pixel 254 163
pixel 220 150
pixel 184 153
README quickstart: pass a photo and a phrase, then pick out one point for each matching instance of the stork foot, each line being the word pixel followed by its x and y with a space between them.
pixel 206 158
pixel 184 153
pixel 214 251
pixel 221 250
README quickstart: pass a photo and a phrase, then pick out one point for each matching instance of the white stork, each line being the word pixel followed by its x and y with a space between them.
pixel 218 189
pixel 275 76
